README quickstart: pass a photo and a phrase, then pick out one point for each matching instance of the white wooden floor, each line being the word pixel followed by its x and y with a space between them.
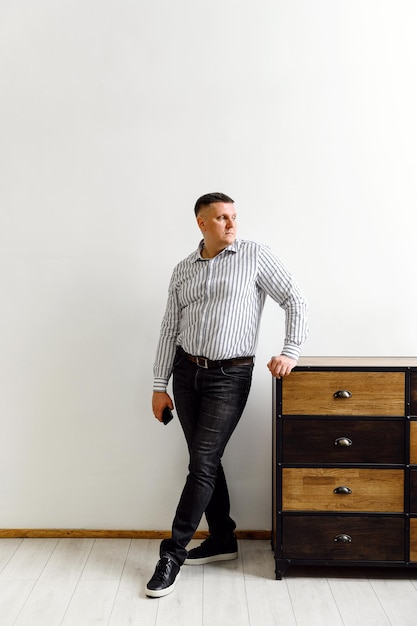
pixel 54 582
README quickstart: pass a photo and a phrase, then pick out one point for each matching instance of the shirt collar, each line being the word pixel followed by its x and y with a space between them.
pixel 197 254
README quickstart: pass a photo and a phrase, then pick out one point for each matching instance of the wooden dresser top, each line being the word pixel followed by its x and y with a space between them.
pixel 357 361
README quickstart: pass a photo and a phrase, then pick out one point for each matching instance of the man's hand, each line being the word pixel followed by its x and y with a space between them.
pixel 160 400
pixel 281 365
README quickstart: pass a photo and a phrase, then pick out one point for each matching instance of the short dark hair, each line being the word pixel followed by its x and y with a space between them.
pixel 209 198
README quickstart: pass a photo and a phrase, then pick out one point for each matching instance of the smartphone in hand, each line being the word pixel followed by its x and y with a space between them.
pixel 167 415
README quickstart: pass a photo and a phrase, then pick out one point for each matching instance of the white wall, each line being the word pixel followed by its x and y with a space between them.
pixel 115 117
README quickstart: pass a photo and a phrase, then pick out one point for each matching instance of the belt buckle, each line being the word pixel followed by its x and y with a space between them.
pixel 202 362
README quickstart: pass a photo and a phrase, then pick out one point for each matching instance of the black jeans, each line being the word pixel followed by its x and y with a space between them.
pixel 209 403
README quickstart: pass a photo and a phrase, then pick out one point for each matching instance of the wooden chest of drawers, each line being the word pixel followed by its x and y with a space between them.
pixel 345 463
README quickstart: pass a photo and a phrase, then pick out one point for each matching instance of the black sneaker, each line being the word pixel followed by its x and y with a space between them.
pixel 164 579
pixel 212 550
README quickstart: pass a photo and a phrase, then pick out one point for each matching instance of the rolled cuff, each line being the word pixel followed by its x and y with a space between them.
pixel 160 384
pixel 291 351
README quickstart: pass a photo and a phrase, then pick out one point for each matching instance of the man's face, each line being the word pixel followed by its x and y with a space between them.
pixel 217 222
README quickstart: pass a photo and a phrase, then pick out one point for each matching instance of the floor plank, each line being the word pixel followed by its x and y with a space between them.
pixel 13 595
pixel 106 559
pixel 7 549
pixel 258 559
pixel 358 604
pixel 184 607
pixel 269 603
pixel 51 595
pixel 399 600
pixel 313 601
pixel 91 603
pixel 224 600
pixel 29 560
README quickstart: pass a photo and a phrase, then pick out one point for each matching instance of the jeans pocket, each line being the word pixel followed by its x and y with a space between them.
pixel 178 360
pixel 238 372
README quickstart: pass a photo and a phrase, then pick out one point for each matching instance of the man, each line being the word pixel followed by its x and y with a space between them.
pixel 208 339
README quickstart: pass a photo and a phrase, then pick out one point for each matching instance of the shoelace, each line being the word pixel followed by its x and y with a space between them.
pixel 162 569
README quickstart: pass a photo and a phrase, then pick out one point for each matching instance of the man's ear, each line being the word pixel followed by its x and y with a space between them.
pixel 201 223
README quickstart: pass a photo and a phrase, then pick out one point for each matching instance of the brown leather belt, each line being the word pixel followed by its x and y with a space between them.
pixel 201 361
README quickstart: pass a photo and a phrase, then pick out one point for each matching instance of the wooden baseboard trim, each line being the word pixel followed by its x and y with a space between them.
pixel 39 533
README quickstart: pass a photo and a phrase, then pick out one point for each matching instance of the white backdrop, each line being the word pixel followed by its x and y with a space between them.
pixel 115 117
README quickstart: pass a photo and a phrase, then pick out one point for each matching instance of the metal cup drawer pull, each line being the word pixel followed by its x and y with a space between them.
pixel 343 442
pixel 343 539
pixel 342 491
pixel 342 393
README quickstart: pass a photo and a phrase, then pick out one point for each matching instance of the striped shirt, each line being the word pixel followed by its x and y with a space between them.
pixel 215 305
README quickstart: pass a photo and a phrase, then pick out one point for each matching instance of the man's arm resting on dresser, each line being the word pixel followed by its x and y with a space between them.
pixel 281 365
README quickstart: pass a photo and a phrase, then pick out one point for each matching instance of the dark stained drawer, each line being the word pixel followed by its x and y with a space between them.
pixel 413 539
pixel 379 538
pixel 413 442
pixel 343 441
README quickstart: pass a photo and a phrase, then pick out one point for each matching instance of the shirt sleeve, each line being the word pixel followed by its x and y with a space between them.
pixel 165 353
pixel 280 285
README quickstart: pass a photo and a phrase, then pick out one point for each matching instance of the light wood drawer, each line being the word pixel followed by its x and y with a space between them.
pixel 339 538
pixel 413 393
pixel 413 491
pixel 321 393
pixel 348 490
pixel 413 442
